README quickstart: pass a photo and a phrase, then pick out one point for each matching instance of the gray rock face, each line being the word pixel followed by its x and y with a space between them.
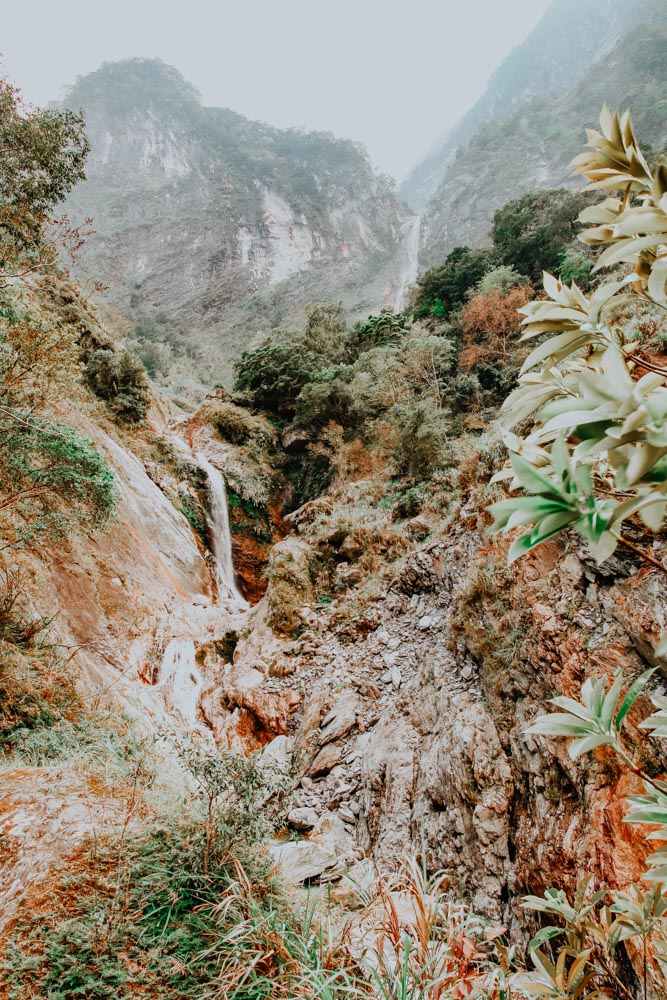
pixel 506 145
pixel 198 211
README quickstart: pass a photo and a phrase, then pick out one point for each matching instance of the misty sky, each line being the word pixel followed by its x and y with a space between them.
pixel 391 73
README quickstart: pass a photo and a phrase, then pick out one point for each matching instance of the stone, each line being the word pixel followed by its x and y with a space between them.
pixel 340 720
pixel 325 760
pixel 302 818
pixel 419 527
pixel 352 548
pixel 346 814
pixel 302 861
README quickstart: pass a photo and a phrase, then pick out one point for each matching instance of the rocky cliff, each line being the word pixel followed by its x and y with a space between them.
pixel 571 36
pixel 210 227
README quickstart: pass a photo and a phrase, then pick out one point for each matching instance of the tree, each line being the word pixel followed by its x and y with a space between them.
pixel 531 232
pixel 42 156
pixel 441 290
pixel 120 380
pixel 274 374
pixel 489 321
pixel 49 477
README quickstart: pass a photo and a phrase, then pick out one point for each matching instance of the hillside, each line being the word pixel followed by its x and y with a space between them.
pixel 532 147
pixel 278 678
pixel 569 37
pixel 210 227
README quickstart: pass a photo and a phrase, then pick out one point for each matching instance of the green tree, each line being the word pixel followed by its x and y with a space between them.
pixel 441 290
pixel 42 156
pixel 49 477
pixel 119 378
pixel 532 232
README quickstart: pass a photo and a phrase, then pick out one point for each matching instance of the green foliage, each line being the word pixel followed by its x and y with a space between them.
pixel 530 233
pixel 419 436
pixel 576 266
pixel 119 379
pixel 597 720
pixel 599 409
pixel 384 329
pixel 409 503
pixel 273 375
pixel 53 476
pixel 43 154
pixel 593 932
pixel 442 290
pixel 502 278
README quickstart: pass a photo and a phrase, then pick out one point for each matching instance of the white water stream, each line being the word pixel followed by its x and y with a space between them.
pixel 221 537
pixel 179 681
pixel 412 229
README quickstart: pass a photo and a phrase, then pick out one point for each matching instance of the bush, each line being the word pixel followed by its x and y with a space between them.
pixel 384 329
pixel 531 232
pixel 491 320
pixel 501 279
pixel 441 290
pixel 409 503
pixel 120 380
pixel 418 439
pixel 273 375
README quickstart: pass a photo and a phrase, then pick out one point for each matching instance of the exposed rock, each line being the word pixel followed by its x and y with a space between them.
pixel 302 818
pixel 294 439
pixel 302 861
pixel 419 527
pixel 325 760
pixel 341 719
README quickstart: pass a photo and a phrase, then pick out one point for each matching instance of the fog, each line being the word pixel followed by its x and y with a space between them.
pixel 393 74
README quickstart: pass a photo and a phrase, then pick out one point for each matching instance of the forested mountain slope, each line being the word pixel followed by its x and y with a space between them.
pixel 561 48
pixel 209 227
pixel 532 147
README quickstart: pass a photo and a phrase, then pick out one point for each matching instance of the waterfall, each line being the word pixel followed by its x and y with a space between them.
pixel 221 538
pixel 409 274
pixel 179 681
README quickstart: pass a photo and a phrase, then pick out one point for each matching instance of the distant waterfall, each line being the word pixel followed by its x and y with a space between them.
pixel 411 269
pixel 221 537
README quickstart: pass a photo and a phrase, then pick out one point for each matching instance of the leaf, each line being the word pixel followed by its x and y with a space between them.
pixel 631 696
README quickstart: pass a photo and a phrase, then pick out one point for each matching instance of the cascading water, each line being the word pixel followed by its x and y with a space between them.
pixel 409 274
pixel 179 680
pixel 221 538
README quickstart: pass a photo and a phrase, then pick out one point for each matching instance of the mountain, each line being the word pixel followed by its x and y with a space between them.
pixel 531 147
pixel 559 50
pixel 210 227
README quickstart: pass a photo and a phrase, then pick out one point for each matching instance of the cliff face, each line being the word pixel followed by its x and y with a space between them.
pixel 571 36
pixel 210 227
pixel 532 149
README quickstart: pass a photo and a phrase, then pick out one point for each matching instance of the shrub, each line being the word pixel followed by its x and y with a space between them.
pixel 531 232
pixel 490 320
pixel 501 279
pixel 384 329
pixel 409 503
pixel 273 375
pixel 418 439
pixel 119 379
pixel 441 290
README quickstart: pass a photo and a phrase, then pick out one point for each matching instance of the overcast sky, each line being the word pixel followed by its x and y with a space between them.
pixel 392 73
